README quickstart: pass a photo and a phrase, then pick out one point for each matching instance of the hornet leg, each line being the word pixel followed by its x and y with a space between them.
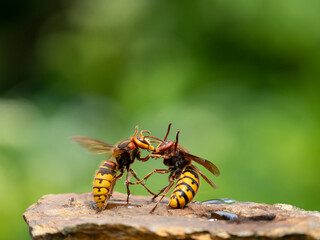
pixel 142 183
pixel 114 183
pixel 155 196
pixel 127 184
pixel 162 171
pixel 164 194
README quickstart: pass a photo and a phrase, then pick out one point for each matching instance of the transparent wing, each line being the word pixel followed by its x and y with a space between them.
pixel 93 145
pixel 204 177
pixel 208 165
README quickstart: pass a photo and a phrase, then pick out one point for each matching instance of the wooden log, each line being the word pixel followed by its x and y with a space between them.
pixel 72 216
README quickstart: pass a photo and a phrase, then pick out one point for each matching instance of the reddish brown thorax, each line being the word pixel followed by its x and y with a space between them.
pixel 132 146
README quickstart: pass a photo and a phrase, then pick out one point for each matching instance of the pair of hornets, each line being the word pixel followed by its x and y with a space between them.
pixel 175 157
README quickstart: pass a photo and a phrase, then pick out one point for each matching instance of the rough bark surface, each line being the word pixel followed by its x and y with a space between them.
pixel 72 216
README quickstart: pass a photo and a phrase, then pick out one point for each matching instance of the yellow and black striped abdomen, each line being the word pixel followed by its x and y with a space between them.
pixel 103 182
pixel 186 188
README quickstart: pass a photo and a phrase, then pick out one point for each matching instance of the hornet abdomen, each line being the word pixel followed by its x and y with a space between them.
pixel 185 189
pixel 103 182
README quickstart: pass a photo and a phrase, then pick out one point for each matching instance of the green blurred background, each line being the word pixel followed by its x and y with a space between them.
pixel 240 80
